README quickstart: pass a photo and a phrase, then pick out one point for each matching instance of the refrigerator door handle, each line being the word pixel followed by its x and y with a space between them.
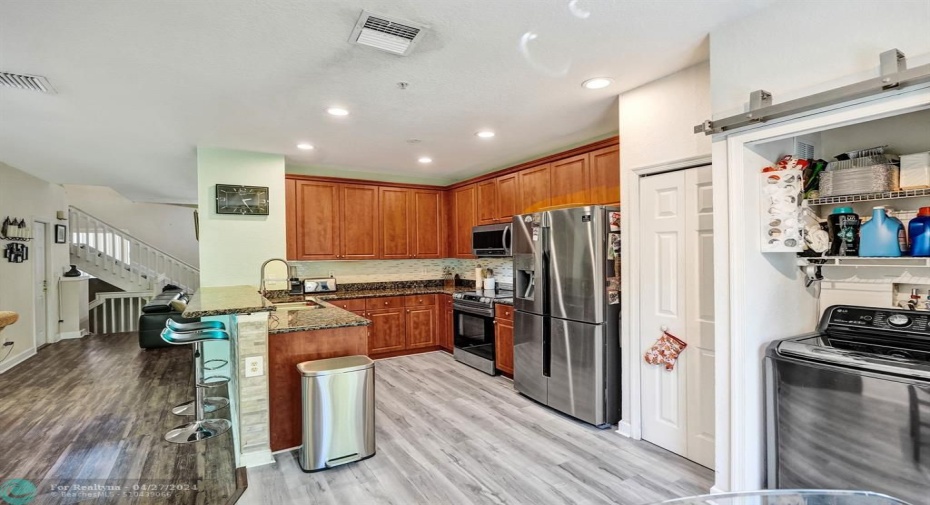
pixel 547 322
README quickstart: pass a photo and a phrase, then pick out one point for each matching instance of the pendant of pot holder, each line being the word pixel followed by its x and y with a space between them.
pixel 665 350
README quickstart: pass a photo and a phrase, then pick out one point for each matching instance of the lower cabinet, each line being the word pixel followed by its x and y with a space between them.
pixel 503 338
pixel 400 324
pixel 388 330
pixel 421 327
pixel 446 323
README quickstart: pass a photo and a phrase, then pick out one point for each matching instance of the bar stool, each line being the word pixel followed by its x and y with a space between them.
pixel 210 403
pixel 201 428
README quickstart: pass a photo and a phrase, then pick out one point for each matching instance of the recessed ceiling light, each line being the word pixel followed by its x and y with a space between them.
pixel 598 83
pixel 485 134
pixel 425 159
pixel 305 146
pixel 337 111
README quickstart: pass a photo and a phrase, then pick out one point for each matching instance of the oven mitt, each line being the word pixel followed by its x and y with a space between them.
pixel 665 351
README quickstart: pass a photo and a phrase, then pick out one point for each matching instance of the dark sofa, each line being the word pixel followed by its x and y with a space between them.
pixel 155 314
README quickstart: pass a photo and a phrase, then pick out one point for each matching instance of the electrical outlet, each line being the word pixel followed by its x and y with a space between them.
pixel 254 366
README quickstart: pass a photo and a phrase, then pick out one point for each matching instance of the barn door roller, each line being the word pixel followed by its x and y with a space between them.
pixel 894 76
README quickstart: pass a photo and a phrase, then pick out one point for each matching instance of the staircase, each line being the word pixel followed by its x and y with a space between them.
pixel 116 257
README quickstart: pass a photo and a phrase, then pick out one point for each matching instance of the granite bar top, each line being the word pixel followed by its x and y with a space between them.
pixel 326 317
pixel 225 300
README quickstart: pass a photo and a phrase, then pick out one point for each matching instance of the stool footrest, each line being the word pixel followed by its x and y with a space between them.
pixel 213 381
pixel 214 364
pixel 210 404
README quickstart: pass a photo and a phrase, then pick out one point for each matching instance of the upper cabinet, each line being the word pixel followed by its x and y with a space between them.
pixel 605 176
pixel 487 201
pixel 464 218
pixel 396 218
pixel 360 222
pixel 317 212
pixel 508 197
pixel 535 189
pixel 427 223
pixel 569 181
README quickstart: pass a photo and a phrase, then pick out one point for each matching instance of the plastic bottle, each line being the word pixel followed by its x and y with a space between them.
pixel 918 230
pixel 881 236
pixel 844 232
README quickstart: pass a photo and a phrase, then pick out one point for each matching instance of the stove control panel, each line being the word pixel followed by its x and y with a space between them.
pixel 878 319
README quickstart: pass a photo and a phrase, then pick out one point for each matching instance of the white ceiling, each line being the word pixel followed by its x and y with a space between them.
pixel 142 83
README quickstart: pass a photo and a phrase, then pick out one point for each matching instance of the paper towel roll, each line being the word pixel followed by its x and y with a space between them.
pixel 479 277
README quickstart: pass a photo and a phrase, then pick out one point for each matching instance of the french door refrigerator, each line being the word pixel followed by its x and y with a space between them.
pixel 566 327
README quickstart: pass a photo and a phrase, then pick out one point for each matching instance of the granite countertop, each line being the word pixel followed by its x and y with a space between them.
pixel 221 301
pixel 327 317
pixel 374 293
pixel 504 301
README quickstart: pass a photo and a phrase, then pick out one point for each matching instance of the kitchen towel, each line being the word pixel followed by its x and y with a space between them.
pixel 665 351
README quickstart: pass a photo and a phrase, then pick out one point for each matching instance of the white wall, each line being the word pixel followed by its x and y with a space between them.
pixel 795 48
pixel 657 119
pixel 233 247
pixel 24 196
pixel 656 129
pixel 166 227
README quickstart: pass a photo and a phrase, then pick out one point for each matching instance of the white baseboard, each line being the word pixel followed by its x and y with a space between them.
pixel 625 428
pixel 258 458
pixel 15 360
pixel 717 490
pixel 69 335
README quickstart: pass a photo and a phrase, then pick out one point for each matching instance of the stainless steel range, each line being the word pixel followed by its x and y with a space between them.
pixel 473 315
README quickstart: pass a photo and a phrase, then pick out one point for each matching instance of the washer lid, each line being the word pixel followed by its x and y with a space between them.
pixel 332 366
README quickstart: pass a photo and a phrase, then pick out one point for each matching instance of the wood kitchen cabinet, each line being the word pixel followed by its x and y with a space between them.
pixel 421 326
pixel 503 338
pixel 388 330
pixel 446 329
pixel 534 189
pixel 569 181
pixel 604 178
pixel 464 218
pixel 508 197
pixel 396 220
pixel 317 213
pixel 427 223
pixel 487 200
pixel 360 222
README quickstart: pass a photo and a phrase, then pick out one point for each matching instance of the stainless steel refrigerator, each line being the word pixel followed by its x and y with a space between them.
pixel 566 326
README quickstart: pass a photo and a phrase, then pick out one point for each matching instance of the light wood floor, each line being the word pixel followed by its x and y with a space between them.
pixel 449 434
pixel 93 411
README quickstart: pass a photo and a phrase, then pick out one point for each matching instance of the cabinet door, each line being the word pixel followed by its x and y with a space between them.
pixel 569 180
pixel 290 218
pixel 503 345
pixel 421 327
pixel 318 213
pixel 387 331
pixel 534 189
pixel 508 197
pixel 395 223
pixel 487 201
pixel 605 175
pixel 360 222
pixel 464 219
pixel 426 223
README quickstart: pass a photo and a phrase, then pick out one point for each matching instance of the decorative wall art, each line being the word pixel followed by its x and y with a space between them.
pixel 243 200
pixel 61 234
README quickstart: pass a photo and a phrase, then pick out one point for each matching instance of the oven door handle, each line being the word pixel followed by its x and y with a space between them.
pixel 473 310
pixel 854 359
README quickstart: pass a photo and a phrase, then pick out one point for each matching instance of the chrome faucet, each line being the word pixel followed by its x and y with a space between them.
pixel 287 267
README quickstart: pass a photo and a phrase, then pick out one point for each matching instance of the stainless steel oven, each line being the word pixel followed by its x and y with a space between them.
pixel 473 317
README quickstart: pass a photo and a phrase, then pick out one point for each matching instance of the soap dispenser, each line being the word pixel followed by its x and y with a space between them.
pixel 881 236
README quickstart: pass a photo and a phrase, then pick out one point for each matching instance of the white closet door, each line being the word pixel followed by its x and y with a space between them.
pixel 662 303
pixel 699 331
pixel 678 293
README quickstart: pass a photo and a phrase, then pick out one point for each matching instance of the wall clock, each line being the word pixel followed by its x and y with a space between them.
pixel 245 200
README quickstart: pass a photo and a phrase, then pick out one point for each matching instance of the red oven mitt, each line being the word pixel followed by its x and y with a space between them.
pixel 665 351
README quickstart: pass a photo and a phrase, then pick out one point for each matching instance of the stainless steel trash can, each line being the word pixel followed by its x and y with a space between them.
pixel 338 411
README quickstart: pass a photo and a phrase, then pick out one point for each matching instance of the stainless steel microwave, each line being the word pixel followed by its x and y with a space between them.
pixel 491 240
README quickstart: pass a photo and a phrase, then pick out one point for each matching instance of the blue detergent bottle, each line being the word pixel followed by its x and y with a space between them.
pixel 918 230
pixel 882 236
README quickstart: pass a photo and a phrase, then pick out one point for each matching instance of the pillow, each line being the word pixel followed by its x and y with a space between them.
pixel 178 305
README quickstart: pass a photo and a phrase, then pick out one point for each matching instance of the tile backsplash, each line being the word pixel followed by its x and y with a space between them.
pixel 402 270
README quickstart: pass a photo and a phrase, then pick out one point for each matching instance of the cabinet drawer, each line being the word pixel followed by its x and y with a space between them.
pixel 503 312
pixel 350 305
pixel 384 302
pixel 419 300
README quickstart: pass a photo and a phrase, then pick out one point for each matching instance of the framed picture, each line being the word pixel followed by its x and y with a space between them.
pixel 244 200
pixel 61 234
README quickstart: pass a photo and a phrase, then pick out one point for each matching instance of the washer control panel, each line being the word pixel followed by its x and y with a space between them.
pixel 878 319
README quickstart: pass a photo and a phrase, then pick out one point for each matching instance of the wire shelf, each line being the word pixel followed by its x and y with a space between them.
pixel 868 197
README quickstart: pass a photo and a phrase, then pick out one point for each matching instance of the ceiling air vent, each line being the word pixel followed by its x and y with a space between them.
pixel 28 82
pixel 386 33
